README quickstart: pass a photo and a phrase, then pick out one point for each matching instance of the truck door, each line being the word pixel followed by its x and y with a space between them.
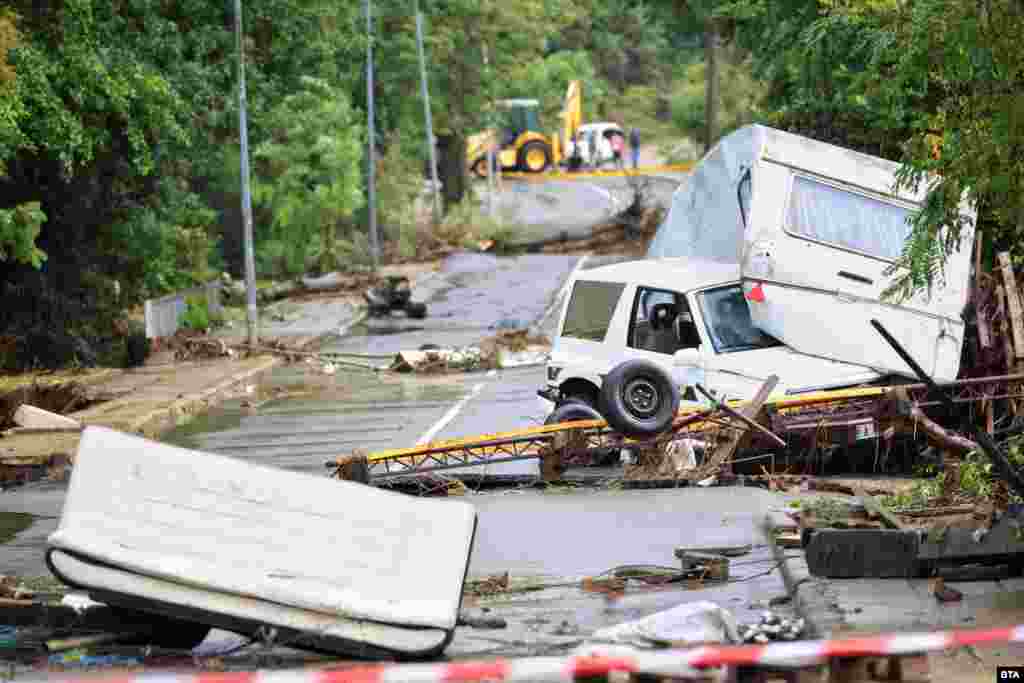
pixel 816 282
pixel 661 324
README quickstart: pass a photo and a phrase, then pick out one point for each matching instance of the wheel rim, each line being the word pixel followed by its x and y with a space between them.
pixel 535 159
pixel 641 397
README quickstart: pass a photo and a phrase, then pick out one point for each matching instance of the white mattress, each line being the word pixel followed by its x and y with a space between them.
pixel 198 523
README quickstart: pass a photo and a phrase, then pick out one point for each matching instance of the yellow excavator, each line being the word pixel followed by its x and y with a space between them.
pixel 519 145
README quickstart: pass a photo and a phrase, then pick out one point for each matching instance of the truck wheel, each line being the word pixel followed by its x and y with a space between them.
pixel 534 157
pixel 479 168
pixel 638 398
pixel 571 412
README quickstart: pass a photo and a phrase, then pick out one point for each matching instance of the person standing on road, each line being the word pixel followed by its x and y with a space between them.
pixel 634 145
pixel 592 147
pixel 617 150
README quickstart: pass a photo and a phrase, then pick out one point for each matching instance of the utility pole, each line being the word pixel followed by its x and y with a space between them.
pixel 371 144
pixel 251 312
pixel 431 144
pixel 493 141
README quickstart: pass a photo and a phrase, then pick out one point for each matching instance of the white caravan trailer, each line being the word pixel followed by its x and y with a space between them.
pixel 803 231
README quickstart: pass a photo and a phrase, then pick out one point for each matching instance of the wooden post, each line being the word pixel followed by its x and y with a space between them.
pixel 1004 328
pixel 1014 308
pixel 728 446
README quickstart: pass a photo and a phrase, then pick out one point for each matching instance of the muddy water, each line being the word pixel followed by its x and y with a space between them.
pixel 298 419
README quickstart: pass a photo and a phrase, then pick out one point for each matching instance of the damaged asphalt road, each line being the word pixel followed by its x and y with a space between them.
pixel 296 421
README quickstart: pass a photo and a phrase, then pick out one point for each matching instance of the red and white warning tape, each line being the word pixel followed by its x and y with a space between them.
pixel 680 663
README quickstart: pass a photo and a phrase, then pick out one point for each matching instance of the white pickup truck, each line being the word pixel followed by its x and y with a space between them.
pixel 771 261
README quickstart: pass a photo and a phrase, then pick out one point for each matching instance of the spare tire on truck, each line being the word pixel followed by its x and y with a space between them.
pixel 639 399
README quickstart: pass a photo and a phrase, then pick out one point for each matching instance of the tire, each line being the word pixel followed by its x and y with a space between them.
pixel 479 168
pixel 416 309
pixel 571 411
pixel 534 157
pixel 639 399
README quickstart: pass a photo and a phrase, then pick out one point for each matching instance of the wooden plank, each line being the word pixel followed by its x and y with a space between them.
pixel 874 508
pixel 741 417
pixel 726 448
pixel 1013 303
pixel 1004 327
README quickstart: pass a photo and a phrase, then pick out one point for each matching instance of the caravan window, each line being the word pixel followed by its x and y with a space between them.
pixel 846 219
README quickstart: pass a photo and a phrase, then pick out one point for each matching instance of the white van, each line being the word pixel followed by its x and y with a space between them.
pixel 771 261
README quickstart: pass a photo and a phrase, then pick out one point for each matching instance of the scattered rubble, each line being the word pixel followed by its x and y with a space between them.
pixel 195 345
pixel 509 348
pixel 772 627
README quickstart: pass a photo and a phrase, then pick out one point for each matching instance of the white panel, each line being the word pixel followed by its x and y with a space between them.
pixel 216 523
pixel 385 636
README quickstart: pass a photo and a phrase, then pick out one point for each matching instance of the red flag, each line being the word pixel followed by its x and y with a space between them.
pixel 756 293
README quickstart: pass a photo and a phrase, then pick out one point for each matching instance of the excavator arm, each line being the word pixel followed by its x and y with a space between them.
pixel 571 116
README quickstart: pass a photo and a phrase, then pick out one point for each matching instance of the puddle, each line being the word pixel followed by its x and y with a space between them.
pixel 12 524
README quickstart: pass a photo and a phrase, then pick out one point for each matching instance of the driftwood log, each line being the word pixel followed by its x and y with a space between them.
pixel 906 416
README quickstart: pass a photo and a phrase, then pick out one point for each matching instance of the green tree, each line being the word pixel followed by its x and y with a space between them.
pixel 117 122
pixel 473 45
pixel 546 78
pixel 957 70
pixel 308 170
pixel 20 225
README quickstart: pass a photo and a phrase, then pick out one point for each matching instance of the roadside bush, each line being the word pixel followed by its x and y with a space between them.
pixel 399 187
pixel 354 251
pixel 466 224
pixel 196 315
pixel 277 258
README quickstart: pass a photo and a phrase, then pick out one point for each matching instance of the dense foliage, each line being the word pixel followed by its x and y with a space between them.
pixel 119 166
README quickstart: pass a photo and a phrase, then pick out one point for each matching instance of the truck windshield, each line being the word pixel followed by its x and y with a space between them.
pixel 590 310
pixel 728 321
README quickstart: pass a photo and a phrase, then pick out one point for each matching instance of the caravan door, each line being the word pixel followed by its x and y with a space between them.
pixel 814 274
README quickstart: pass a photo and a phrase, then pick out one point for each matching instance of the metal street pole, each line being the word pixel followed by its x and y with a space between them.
pixel 371 146
pixel 493 141
pixel 436 190
pixel 251 312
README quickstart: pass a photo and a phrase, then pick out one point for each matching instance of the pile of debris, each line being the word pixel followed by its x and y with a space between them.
pixel 195 345
pixel 59 398
pixel 628 232
pixel 508 348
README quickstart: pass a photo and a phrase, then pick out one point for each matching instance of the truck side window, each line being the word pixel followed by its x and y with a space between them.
pixel 661 322
pixel 590 310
